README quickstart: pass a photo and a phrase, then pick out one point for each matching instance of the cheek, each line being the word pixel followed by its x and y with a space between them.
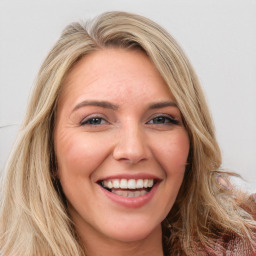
pixel 173 152
pixel 79 154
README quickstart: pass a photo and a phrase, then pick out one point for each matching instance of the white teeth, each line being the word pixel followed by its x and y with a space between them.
pixel 109 184
pixel 117 192
pixel 120 192
pixel 150 183
pixel 130 194
pixel 123 183
pixel 131 184
pixel 126 193
pixel 128 183
pixel 143 192
pixel 136 193
pixel 139 183
pixel 145 183
pixel 116 183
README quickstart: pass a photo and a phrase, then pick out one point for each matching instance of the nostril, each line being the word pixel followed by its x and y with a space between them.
pixel 131 146
pixel 130 156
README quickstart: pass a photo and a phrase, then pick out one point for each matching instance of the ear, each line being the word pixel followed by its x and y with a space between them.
pixel 54 165
pixel 223 183
pixel 55 174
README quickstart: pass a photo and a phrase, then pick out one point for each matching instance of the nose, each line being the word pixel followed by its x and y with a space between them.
pixel 131 145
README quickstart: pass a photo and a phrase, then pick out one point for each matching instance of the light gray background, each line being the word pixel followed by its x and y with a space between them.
pixel 219 37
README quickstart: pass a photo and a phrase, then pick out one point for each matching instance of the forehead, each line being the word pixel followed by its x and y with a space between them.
pixel 114 74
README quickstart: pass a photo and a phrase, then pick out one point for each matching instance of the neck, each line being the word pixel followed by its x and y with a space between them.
pixel 98 246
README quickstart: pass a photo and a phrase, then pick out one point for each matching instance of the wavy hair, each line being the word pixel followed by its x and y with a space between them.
pixel 34 218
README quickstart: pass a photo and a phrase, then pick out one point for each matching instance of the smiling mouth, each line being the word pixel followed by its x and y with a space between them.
pixel 128 187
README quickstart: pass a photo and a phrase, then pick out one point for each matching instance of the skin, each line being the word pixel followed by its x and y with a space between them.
pixel 129 138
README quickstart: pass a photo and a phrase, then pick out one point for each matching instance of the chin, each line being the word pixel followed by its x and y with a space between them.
pixel 133 233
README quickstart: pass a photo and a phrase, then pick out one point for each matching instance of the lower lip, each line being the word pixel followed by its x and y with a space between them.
pixel 131 202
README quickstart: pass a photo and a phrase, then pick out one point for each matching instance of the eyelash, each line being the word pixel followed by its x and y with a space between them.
pixel 168 120
pixel 87 121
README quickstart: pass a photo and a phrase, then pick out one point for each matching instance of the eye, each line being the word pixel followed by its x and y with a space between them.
pixel 163 120
pixel 93 121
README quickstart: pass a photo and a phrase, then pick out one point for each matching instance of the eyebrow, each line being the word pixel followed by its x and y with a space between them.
pixel 103 104
pixel 163 104
pixel 108 105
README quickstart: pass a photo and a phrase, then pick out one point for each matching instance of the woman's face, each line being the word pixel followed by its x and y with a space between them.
pixel 121 146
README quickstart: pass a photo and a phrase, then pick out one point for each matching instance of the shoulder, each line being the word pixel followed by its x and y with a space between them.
pixel 237 248
pixel 244 197
pixel 253 201
pixel 248 202
pixel 245 194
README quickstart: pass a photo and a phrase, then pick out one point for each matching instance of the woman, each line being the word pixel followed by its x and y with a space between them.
pixel 117 154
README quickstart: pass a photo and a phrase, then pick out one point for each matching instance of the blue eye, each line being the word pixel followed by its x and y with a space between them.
pixel 93 121
pixel 163 120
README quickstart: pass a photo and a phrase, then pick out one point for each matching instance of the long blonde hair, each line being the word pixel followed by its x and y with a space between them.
pixel 33 216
